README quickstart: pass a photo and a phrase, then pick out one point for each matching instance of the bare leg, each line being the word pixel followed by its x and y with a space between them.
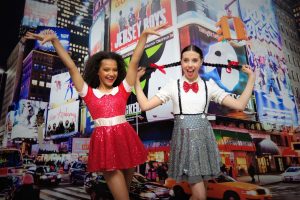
pixel 117 184
pixel 128 173
pixel 198 191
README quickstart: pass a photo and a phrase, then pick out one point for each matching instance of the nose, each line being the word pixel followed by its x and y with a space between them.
pixel 111 73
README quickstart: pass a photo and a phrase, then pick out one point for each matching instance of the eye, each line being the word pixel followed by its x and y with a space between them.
pixel 195 60
pixel 218 53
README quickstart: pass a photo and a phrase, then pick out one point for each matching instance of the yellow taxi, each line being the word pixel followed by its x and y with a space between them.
pixel 225 187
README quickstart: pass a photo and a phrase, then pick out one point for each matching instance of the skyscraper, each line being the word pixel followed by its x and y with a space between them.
pixel 77 17
pixel 74 15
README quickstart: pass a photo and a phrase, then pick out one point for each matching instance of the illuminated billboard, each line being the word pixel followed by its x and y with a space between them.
pixel 62 90
pixel 63 120
pixel 274 98
pixel 233 81
pixel 160 51
pixel 37 13
pixel 62 34
pixel 97 34
pixel 130 17
pixel 28 115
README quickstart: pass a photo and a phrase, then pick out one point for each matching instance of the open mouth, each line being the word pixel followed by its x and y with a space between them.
pixel 110 79
pixel 190 72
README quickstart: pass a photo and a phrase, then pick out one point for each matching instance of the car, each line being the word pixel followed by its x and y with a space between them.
pixel 27 163
pixel 141 187
pixel 225 187
pixel 291 174
pixel 43 175
pixel 77 175
pixel 77 165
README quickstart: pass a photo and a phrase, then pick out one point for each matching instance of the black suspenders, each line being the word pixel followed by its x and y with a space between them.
pixel 179 97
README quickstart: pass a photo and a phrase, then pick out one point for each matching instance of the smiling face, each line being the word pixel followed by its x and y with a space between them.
pixel 190 63
pixel 108 73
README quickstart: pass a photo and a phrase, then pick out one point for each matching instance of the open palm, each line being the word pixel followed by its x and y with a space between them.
pixel 44 36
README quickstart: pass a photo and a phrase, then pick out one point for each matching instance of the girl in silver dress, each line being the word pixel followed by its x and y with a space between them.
pixel 194 155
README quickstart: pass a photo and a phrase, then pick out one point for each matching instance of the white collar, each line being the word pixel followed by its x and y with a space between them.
pixel 185 79
pixel 100 94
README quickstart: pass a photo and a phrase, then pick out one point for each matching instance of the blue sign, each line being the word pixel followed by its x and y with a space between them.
pixel 63 35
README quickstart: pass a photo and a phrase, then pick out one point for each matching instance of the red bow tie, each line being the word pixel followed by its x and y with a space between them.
pixel 193 86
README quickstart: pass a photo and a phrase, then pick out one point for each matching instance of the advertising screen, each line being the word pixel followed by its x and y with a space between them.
pixel 233 81
pixel 80 145
pixel 274 98
pixel 28 114
pixel 37 13
pixel 130 17
pixel 62 34
pixel 100 6
pixel 63 119
pixel 97 34
pixel 160 51
pixel 62 90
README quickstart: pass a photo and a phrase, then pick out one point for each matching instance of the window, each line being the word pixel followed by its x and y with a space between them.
pixel 34 82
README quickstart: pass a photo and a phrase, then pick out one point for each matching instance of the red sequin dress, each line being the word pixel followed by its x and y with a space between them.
pixel 114 143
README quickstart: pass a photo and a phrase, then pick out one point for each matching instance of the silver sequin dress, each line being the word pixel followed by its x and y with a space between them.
pixel 194 155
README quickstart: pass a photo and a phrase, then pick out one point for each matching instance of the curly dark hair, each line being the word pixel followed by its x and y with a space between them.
pixel 90 74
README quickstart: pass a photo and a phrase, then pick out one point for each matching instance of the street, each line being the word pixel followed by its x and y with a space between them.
pixel 64 192
pixel 280 191
pixel 284 191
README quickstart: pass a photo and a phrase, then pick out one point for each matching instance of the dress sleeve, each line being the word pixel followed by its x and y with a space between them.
pixel 84 90
pixel 165 94
pixel 127 87
pixel 217 94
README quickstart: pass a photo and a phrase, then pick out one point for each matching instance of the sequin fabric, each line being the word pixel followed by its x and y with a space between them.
pixel 194 153
pixel 112 147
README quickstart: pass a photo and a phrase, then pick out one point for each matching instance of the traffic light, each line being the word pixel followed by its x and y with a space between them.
pixel 224 31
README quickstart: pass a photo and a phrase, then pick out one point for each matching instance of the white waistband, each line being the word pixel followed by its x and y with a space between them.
pixel 111 121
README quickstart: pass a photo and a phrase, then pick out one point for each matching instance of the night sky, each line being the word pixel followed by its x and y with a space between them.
pixel 11 13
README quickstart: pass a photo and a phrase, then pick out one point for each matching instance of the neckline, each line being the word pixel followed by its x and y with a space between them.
pixel 185 79
pixel 100 94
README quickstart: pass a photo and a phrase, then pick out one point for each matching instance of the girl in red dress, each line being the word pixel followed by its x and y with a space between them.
pixel 115 148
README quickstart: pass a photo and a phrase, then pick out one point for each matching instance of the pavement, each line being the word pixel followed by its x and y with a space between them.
pixel 261 179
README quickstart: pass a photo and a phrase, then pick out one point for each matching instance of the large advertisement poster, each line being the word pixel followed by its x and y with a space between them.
pixel 97 34
pixel 274 98
pixel 62 34
pixel 100 6
pixel 37 13
pixel 63 120
pixel 9 124
pixel 163 50
pixel 232 81
pixel 205 12
pixel 28 115
pixel 80 145
pixel 62 90
pixel 130 17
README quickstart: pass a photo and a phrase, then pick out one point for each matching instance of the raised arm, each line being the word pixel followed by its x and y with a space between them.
pixel 138 52
pixel 242 101
pixel 144 103
pixel 50 36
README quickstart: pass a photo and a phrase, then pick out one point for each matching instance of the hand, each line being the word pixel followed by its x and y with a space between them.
pixel 247 69
pixel 45 36
pixel 153 30
pixel 141 71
